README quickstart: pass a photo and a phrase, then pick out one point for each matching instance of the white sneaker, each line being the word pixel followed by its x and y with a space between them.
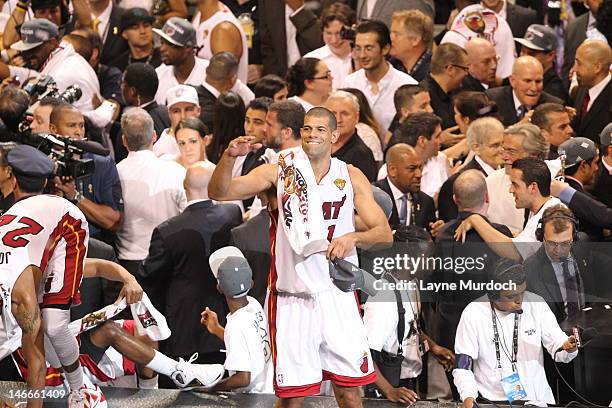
pixel 87 397
pixel 190 376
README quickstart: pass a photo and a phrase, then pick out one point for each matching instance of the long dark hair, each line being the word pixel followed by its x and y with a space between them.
pixel 475 105
pixel 193 124
pixel 229 113
pixel 301 71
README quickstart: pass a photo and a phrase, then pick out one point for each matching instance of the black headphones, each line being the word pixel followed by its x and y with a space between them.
pixel 501 267
pixel 539 232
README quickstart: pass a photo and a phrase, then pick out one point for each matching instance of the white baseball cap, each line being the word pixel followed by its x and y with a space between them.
pixel 182 93
pixel 216 258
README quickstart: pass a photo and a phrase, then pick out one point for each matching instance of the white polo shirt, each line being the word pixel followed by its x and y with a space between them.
pixel 152 193
pixel 339 67
pixel 526 242
pixel 381 102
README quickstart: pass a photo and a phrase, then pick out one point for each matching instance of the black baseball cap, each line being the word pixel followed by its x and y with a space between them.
pixel 44 4
pixel 134 16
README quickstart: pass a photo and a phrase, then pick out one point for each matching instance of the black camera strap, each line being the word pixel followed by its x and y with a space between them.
pixel 401 323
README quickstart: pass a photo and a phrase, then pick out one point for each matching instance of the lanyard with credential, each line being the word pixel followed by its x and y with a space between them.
pixel 514 340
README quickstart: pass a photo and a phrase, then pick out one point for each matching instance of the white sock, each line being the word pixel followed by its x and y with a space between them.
pixel 162 364
pixel 75 379
pixel 148 383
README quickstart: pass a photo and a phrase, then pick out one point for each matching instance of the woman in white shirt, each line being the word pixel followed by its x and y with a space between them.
pixel 310 82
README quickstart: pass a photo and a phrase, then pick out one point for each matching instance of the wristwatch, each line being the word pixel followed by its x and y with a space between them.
pixel 78 197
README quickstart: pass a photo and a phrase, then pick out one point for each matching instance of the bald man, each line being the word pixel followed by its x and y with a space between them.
pixel 524 93
pixel 482 62
pixel 592 102
pixel 470 194
pixel 403 184
pixel 176 274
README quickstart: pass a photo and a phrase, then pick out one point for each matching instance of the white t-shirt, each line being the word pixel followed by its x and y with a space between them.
pixel 381 102
pixel 305 104
pixel 380 317
pixel 204 30
pixel 166 145
pixel 538 329
pixel 339 67
pixel 248 347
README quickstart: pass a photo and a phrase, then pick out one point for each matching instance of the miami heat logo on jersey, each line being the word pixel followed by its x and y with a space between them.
pixel 147 319
pixel 294 184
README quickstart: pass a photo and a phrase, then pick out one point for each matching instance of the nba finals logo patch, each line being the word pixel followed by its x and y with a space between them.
pixel 340 183
pixel 92 320
pixel 147 319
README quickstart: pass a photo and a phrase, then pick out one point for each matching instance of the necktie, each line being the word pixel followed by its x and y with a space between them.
pixel 571 287
pixel 95 24
pixel 403 211
pixel 520 112
pixel 585 105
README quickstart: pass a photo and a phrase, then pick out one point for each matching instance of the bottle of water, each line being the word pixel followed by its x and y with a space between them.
pixel 248 26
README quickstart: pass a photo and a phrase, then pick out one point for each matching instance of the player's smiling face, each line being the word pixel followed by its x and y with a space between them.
pixel 317 136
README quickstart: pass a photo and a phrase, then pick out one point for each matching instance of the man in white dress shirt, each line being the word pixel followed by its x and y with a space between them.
pixel 377 78
pixel 336 53
pixel 153 189
pixel 521 324
pixel 530 185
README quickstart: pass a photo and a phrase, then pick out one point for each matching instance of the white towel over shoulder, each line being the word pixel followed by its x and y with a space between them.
pixel 300 212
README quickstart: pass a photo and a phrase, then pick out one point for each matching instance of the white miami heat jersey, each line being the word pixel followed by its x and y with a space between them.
pixel 55 233
pixel 293 273
pixel 13 261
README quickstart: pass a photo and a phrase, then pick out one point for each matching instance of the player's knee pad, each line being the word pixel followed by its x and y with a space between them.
pixel 55 325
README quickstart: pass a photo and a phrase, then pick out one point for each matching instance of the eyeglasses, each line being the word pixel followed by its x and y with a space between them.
pixel 463 67
pixel 327 76
pixel 565 245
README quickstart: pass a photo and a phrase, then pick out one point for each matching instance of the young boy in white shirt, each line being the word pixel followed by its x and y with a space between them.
pixel 245 335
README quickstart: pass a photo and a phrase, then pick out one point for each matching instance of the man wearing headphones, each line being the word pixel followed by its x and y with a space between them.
pixel 566 275
pixel 511 367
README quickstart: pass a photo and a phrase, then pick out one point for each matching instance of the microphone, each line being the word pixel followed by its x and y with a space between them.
pixel 85 145
pixel 582 338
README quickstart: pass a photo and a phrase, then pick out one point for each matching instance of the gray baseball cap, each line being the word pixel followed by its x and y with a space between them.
pixel 34 33
pixel 539 37
pixel 178 31
pixel 605 137
pixel 235 277
pixel 577 149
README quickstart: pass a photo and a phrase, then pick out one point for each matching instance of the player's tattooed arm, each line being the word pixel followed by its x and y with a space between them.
pixel 24 307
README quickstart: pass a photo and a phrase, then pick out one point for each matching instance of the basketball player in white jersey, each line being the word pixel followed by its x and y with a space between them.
pixel 21 316
pixel 316 330
pixel 54 232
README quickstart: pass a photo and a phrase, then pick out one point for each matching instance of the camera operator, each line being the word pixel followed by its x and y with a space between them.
pixel 43 53
pixel 13 104
pixel 99 195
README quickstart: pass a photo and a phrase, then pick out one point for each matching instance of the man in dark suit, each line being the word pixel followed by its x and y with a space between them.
pixel 108 26
pixel 403 184
pixel 541 42
pixel 524 93
pixel 583 205
pixel 581 167
pixel 603 184
pixel 176 273
pixel 482 62
pixel 273 32
pixel 470 194
pixel 575 35
pixel 484 138
pixel 221 75
pixel 554 122
pixel 592 103
pixel 257 251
